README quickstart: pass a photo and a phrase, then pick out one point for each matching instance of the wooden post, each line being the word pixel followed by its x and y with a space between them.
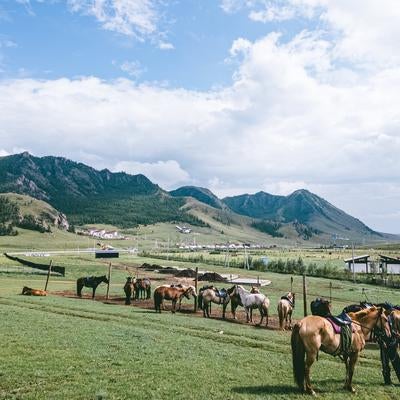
pixel 305 295
pixel 291 284
pixel 196 278
pixel 330 292
pixel 258 280
pixel 109 280
pixel 48 275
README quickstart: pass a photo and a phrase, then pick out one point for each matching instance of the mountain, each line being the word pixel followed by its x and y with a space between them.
pixel 304 210
pixel 201 194
pixel 23 211
pixel 87 195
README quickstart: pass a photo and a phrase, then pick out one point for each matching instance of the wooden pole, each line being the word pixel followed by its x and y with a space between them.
pixel 330 292
pixel 48 275
pixel 291 284
pixel 109 280
pixel 196 278
pixel 305 295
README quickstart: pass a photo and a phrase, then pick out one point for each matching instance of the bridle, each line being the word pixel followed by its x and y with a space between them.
pixel 373 330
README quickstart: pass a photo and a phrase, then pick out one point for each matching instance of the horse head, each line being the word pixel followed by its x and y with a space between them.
pixel 190 291
pixel 255 290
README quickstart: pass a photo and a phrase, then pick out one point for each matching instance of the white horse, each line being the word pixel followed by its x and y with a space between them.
pixel 251 301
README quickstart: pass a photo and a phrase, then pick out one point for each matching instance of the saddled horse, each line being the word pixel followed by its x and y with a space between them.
pixel 285 309
pixel 314 333
pixel 143 288
pixel 174 294
pixel 209 295
pixel 240 296
pixel 90 281
pixel 129 289
pixel 27 291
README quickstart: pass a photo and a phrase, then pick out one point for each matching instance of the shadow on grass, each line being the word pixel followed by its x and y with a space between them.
pixel 266 389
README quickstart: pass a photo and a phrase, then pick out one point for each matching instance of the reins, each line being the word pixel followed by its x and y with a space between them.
pixel 370 330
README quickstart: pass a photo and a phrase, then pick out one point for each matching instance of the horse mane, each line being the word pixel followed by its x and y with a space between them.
pixel 365 312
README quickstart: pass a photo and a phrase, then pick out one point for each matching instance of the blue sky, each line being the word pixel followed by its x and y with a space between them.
pixel 52 41
pixel 235 95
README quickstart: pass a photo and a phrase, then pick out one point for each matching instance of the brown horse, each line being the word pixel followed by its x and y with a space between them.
pixel 129 289
pixel 174 294
pixel 314 333
pixel 285 310
pixel 143 288
pixel 27 291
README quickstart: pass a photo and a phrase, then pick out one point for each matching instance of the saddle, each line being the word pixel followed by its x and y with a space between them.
pixel 221 293
pixel 321 307
pixel 339 321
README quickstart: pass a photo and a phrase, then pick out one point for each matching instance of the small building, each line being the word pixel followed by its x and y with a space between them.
pixel 361 264
pixel 389 265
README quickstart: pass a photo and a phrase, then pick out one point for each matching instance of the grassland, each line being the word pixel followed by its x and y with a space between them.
pixel 62 348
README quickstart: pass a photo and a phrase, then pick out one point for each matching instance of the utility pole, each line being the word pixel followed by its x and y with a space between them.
pixel 352 256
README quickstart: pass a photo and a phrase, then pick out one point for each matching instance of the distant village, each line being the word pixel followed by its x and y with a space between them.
pixel 102 234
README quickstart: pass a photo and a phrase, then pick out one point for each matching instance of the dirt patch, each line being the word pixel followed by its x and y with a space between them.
pixel 187 308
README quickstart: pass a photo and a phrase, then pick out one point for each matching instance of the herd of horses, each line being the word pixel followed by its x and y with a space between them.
pixel 344 336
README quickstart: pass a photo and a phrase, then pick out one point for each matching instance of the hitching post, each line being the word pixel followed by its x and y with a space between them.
pixel 305 295
pixel 109 279
pixel 48 275
pixel 196 278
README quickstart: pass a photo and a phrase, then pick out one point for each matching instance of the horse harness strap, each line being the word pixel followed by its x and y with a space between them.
pixel 346 335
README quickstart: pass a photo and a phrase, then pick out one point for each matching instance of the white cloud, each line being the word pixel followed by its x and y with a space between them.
pixel 169 174
pixel 166 46
pixel 294 115
pixel 132 68
pixel 135 18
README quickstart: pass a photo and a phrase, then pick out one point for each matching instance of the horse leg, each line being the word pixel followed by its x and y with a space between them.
pixel 233 310
pixel 260 308
pixel 94 292
pixel 350 365
pixel 79 289
pixel 248 314
pixel 224 309
pixel 310 358
pixel 173 306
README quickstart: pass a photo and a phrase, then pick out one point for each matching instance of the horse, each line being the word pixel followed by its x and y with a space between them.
pixel 90 281
pixel 314 333
pixel 129 289
pixel 210 295
pixel 143 288
pixel 285 310
pixel 249 301
pixel 174 294
pixel 27 291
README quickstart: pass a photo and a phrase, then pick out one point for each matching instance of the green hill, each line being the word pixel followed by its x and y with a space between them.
pixel 201 194
pixel 86 195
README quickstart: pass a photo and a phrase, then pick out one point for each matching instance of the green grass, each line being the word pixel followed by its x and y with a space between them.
pixel 60 348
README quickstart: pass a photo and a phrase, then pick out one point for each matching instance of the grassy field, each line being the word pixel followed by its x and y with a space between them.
pixel 62 348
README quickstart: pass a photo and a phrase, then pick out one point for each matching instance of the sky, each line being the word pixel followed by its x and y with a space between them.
pixel 234 95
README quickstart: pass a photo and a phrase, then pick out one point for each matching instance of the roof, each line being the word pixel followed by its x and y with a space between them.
pixel 390 260
pixel 359 259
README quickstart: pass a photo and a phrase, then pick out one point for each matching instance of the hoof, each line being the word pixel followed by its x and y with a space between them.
pixel 350 389
pixel 311 392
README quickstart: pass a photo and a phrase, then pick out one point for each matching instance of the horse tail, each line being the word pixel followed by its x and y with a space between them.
pixel 281 316
pixel 148 292
pixel 78 287
pixel 157 300
pixel 298 354
pixel 200 300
